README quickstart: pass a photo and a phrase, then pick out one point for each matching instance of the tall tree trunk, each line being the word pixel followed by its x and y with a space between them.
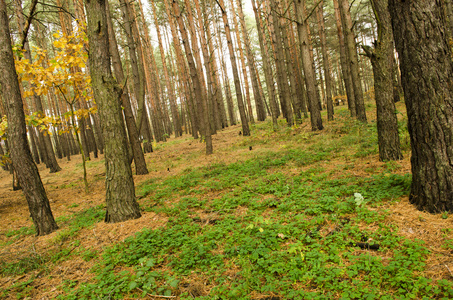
pixel 137 76
pixel 183 72
pixel 352 59
pixel 266 66
pixel 259 104
pixel 171 92
pixel 345 69
pixel 214 68
pixel 301 97
pixel 237 81
pixel 137 152
pixel 297 107
pixel 282 76
pixel 242 63
pixel 207 93
pixel 422 40
pixel 325 58
pixel 44 139
pixel 143 68
pixel 226 82
pixel 194 74
pixel 26 169
pixel 310 76
pixel 120 190
pixel 382 62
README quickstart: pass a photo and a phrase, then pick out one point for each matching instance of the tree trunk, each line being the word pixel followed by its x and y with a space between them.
pixel 421 37
pixel 352 59
pixel 226 82
pixel 282 76
pixel 290 69
pixel 44 139
pixel 137 152
pixel 171 92
pixel 325 58
pixel 382 62
pixel 208 95
pixel 214 68
pixel 195 76
pixel 345 69
pixel 242 64
pixel 310 76
pixel 137 76
pixel 301 97
pixel 259 104
pixel 120 190
pixel 266 66
pixel 26 169
pixel 237 81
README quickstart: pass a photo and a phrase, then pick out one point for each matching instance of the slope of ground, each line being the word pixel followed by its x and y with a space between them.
pixel 289 214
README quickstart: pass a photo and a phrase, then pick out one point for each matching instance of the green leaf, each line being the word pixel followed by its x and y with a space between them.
pixel 174 283
pixel 132 285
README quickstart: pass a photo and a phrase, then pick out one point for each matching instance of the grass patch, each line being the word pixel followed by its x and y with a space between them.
pixel 294 220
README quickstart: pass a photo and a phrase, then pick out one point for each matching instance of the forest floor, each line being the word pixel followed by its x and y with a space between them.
pixel 290 214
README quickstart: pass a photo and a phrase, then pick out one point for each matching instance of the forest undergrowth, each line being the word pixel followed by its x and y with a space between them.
pixel 290 214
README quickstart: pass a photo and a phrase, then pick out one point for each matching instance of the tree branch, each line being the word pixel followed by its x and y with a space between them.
pixel 312 11
pixel 369 52
pixel 221 8
pixel 28 23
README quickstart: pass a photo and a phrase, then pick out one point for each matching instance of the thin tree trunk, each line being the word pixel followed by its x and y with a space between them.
pixel 382 61
pixel 282 76
pixel 214 68
pixel 194 74
pixel 345 69
pixel 26 169
pixel 352 59
pixel 259 104
pixel 310 76
pixel 266 66
pixel 325 56
pixel 237 81
pixel 296 105
pixel 226 82
pixel 44 139
pixel 171 92
pixel 137 153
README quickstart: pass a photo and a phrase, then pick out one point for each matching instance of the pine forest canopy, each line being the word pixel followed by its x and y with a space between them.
pixel 118 77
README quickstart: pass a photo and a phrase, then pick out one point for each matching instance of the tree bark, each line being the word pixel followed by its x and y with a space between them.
pixel 137 152
pixel 294 101
pixel 382 62
pixel 171 92
pixel 310 76
pixel 345 69
pixel 242 63
pixel 422 41
pixel 44 139
pixel 237 81
pixel 26 169
pixel 352 59
pixel 195 76
pixel 226 82
pixel 266 66
pixel 282 76
pixel 325 58
pixel 259 104
pixel 120 190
